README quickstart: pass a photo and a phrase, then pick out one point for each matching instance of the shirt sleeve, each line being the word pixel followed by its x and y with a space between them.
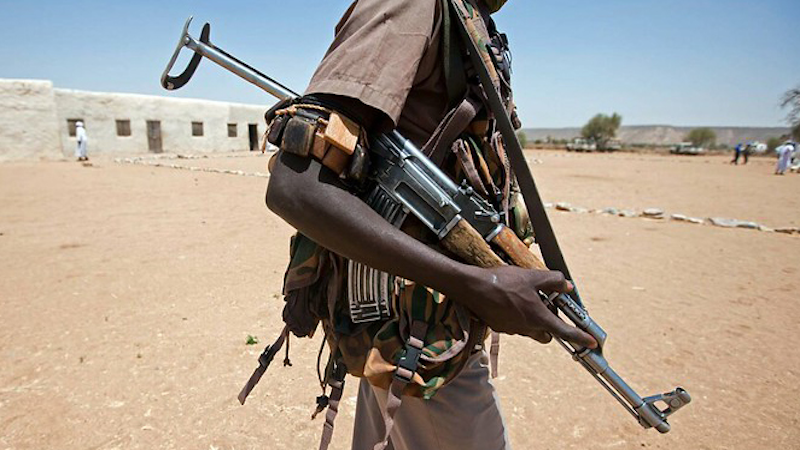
pixel 376 53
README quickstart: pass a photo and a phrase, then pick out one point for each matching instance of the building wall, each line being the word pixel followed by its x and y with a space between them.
pixel 100 111
pixel 28 124
pixel 34 122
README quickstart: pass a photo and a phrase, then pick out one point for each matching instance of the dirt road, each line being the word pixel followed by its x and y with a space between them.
pixel 128 291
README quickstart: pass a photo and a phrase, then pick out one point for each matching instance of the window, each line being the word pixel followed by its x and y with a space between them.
pixel 232 131
pixel 71 126
pixel 197 128
pixel 123 127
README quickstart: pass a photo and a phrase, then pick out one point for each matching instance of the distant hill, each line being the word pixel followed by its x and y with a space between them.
pixel 664 134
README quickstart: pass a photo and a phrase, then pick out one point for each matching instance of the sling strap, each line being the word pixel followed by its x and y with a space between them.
pixel 406 369
pixel 463 152
pixel 453 124
pixel 455 74
pixel 263 363
pixel 494 352
pixel 336 382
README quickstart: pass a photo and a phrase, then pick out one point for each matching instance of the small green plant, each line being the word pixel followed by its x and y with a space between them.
pixel 251 340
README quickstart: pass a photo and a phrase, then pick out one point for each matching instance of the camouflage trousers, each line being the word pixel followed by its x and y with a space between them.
pixel 463 415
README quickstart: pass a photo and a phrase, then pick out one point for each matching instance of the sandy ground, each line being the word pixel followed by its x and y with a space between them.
pixel 127 293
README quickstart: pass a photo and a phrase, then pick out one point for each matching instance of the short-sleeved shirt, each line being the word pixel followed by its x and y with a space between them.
pixel 387 54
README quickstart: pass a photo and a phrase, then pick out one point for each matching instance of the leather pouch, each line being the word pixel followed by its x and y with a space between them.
pixel 275 132
pixel 336 159
pixel 359 165
pixel 298 136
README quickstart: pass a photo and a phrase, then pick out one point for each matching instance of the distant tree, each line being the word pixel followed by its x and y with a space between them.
pixel 773 143
pixel 602 128
pixel 791 100
pixel 523 138
pixel 702 137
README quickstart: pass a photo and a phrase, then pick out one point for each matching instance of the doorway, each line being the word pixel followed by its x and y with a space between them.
pixel 252 132
pixel 154 136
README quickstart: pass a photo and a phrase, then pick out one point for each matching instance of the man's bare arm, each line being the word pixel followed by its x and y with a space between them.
pixel 312 199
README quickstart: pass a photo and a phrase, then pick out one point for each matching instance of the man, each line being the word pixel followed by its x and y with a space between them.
pixel 737 152
pixel 794 164
pixel 785 153
pixel 385 70
pixel 748 149
pixel 80 135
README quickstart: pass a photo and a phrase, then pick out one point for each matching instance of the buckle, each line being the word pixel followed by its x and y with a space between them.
pixel 408 363
pixel 265 358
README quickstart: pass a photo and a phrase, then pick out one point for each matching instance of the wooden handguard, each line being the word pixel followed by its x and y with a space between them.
pixel 517 251
pixel 469 245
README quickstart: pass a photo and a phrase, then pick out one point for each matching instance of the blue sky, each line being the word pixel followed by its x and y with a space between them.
pixel 676 62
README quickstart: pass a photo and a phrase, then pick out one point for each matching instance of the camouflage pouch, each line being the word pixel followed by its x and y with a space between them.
pixel 304 286
pixel 373 351
pixel 315 291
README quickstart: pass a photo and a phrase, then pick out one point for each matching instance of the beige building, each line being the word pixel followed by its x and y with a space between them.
pixel 37 121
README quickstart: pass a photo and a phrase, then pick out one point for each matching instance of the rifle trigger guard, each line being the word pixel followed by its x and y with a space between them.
pixel 171 83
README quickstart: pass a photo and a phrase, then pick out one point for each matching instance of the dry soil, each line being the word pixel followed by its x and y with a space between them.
pixel 128 291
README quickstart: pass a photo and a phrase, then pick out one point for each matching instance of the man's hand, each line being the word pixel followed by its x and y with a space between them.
pixel 507 299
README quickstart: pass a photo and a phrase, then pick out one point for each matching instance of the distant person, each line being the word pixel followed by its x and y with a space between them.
pixel 794 165
pixel 738 150
pixel 785 153
pixel 749 148
pixel 80 150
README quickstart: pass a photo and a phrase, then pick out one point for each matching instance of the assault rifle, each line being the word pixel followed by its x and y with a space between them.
pixel 407 182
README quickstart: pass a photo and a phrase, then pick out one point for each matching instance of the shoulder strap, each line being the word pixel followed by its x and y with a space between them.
pixel 463 108
pixel 336 382
pixel 545 236
pixel 264 361
pixel 406 369
pixel 454 73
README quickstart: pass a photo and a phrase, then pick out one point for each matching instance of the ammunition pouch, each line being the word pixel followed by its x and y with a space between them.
pixel 310 130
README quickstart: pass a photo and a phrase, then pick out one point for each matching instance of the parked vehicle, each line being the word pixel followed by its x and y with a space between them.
pixel 612 145
pixel 581 145
pixel 756 147
pixel 687 148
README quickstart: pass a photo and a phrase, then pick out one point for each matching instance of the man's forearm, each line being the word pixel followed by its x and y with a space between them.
pixel 312 200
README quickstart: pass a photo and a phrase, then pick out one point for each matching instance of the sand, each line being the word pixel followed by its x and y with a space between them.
pixel 127 294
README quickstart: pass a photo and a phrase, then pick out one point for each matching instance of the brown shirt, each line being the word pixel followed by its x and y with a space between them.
pixel 387 55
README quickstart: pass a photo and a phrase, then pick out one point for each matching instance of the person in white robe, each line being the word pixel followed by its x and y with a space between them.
pixel 785 153
pixel 80 134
